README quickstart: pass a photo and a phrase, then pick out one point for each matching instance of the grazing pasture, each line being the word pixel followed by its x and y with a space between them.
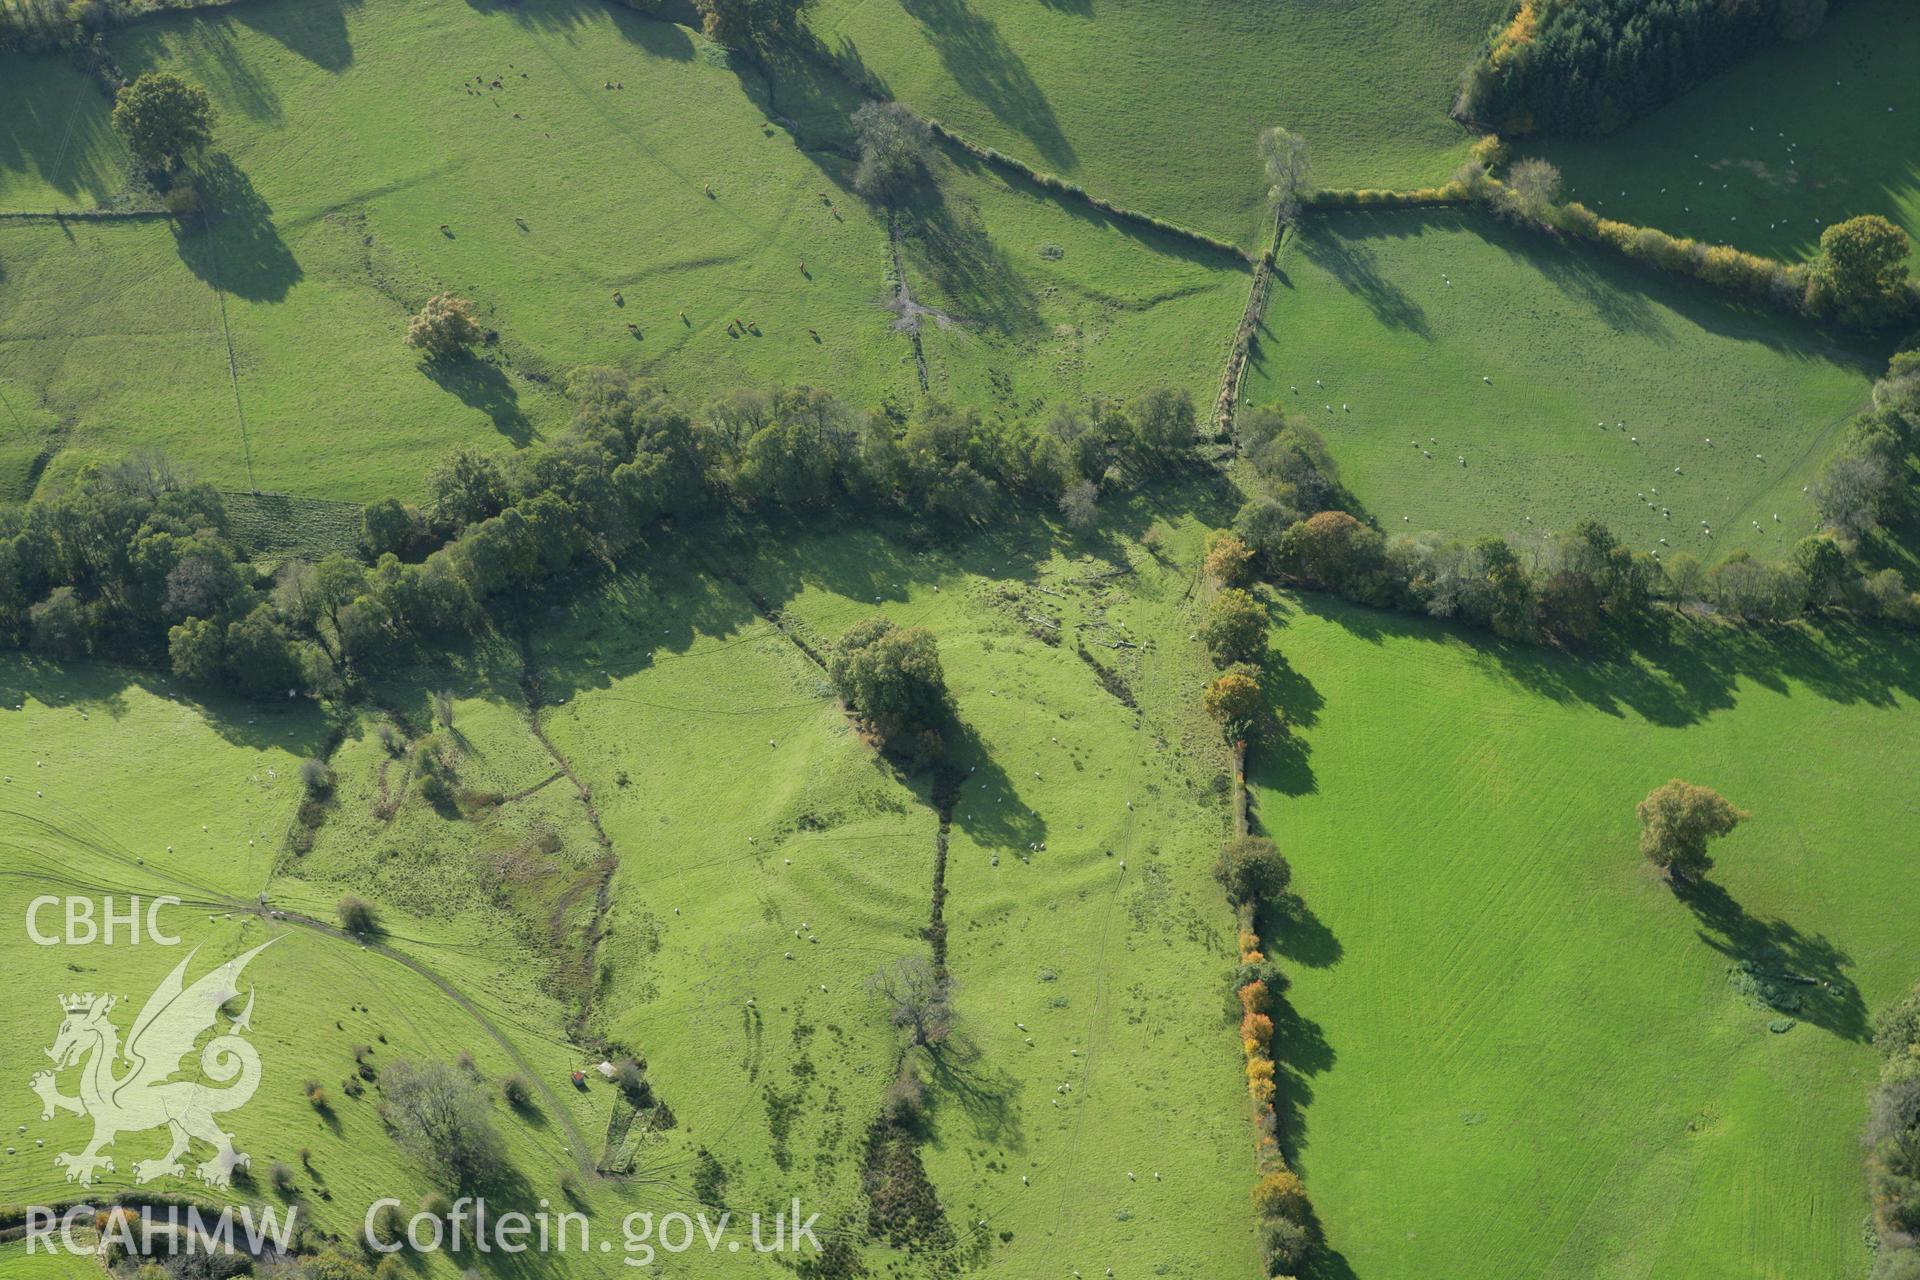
pixel 1766 155
pixel 1038 300
pixel 260 343
pixel 768 865
pixel 618 812
pixel 1157 106
pixel 1511 1046
pixel 1606 384
pixel 1079 900
pixel 85 812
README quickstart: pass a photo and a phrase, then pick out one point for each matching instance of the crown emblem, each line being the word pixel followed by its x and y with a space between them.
pixel 77 1002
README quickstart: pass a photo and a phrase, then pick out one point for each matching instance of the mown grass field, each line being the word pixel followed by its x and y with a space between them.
pixel 1158 106
pixel 1512 1048
pixel 1766 155
pixel 1605 379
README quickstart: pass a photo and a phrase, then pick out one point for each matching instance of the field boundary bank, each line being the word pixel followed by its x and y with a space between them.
pixel 811 51
pixel 1055 184
pixel 56 216
pixel 903 298
pixel 1731 273
pixel 1234 375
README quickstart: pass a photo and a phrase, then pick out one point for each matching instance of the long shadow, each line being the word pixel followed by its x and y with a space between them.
pixel 481 385
pixel 315 29
pixel 1162 242
pixel 988 1098
pixel 809 88
pixel 234 245
pixel 1626 295
pixel 1279 757
pixel 985 802
pixel 1300 1052
pixel 1290 929
pixel 1793 973
pixel 36 127
pixel 220 62
pixel 100 688
pixel 660 32
pixel 1673 670
pixel 1348 260
pixel 974 279
pixel 987 69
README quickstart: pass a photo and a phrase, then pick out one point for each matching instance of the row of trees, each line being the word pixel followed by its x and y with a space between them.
pixel 1893 1142
pixel 1255 875
pixel 1591 66
pixel 1566 586
pixel 138 561
pixel 1859 277
pixel 50 24
pixel 1569 585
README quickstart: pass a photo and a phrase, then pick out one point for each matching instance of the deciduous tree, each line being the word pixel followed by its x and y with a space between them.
pixel 164 119
pixel 1676 821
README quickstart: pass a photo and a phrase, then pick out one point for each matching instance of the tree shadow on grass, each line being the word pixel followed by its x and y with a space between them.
pixel 1627 296
pixel 659 33
pixel 480 384
pixel 507 1191
pixel 987 1096
pixel 981 799
pixel 1300 1052
pixel 1166 243
pixel 987 69
pixel 234 245
pixel 1355 268
pixel 1795 974
pixel 1672 669
pixel 1290 929
pixel 974 279
pixel 315 29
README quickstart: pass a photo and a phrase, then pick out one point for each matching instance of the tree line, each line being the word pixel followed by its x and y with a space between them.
pixel 1567 585
pixel 136 560
pixel 1588 67
pixel 1859 277
pixel 1893 1143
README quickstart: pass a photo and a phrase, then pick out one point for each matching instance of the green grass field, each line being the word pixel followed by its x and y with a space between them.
pixel 1117 970
pixel 329 216
pixel 1158 105
pixel 1767 154
pixel 1508 1047
pixel 1048 301
pixel 1571 340
pixel 58 151
pixel 85 814
pixel 1513 1049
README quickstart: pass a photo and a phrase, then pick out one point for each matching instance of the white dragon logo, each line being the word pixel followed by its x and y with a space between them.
pixel 172 1019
